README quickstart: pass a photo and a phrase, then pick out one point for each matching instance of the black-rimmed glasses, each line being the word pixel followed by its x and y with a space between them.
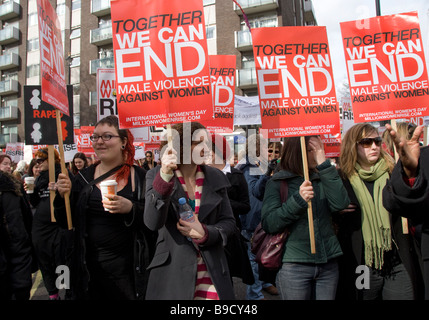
pixel 104 137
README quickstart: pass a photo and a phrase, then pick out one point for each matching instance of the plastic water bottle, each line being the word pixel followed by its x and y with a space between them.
pixel 185 211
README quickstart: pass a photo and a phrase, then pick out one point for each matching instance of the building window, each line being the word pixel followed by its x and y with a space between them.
pixel 211 32
pixel 10 101
pixel 208 2
pixel 9 129
pixel 75 33
pixel 32 19
pixel 33 70
pixel 76 4
pixel 33 44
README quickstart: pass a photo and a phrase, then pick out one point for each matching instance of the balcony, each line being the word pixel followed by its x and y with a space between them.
pixel 108 62
pixel 9 10
pixel 255 6
pixel 243 40
pixel 9 113
pixel 8 138
pixel 9 61
pixel 246 78
pixel 100 8
pixel 309 17
pixel 101 36
pixel 9 35
pixel 8 87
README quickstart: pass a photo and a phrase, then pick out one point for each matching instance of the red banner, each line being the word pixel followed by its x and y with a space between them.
pixel 82 140
pixel 222 75
pixel 161 62
pixel 386 67
pixel 54 90
pixel 295 81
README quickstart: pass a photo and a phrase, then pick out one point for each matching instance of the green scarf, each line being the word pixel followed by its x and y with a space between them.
pixel 376 228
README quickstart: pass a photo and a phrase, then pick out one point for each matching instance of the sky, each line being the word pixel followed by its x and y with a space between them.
pixel 330 13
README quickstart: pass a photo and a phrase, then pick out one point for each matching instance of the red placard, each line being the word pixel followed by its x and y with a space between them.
pixel 161 62
pixel 222 74
pixel 386 67
pixel 82 140
pixel 54 90
pixel 295 81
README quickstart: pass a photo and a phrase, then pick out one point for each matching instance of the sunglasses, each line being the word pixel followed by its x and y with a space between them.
pixel 40 161
pixel 367 142
pixel 271 151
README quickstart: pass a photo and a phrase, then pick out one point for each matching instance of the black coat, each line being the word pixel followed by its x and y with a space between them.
pixel 15 244
pixel 349 232
pixel 144 239
pixel 174 267
pixel 412 203
pixel 236 249
pixel 238 194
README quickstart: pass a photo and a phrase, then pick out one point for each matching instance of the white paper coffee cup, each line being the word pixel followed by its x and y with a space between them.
pixel 30 184
pixel 108 187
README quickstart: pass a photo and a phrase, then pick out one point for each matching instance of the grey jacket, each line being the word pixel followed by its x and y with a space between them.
pixel 174 267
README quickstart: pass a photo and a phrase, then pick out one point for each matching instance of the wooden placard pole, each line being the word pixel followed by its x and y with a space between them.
pixel 310 209
pixel 63 166
pixel 403 220
pixel 51 161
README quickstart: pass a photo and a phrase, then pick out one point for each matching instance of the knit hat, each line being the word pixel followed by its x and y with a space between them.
pixel 221 146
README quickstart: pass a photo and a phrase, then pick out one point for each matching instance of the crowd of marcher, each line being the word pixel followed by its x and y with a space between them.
pixel 369 216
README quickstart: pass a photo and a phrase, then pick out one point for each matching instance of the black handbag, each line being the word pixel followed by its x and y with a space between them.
pixel 268 248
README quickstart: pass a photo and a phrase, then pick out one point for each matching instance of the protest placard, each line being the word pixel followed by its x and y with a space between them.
pixel 161 62
pixel 295 81
pixel 40 123
pixel 386 67
pixel 222 75
pixel 52 57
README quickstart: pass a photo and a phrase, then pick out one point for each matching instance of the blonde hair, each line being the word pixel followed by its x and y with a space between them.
pixel 349 147
pixel 403 129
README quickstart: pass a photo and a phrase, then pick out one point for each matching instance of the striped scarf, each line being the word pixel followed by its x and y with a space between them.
pixel 204 287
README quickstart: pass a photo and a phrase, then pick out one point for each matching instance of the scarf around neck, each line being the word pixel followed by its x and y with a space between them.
pixel 199 180
pixel 376 229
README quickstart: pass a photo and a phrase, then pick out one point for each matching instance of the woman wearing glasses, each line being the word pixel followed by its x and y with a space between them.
pixel 108 262
pixel 46 233
pixel 378 262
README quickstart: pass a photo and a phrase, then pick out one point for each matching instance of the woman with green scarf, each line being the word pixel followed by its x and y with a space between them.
pixel 378 260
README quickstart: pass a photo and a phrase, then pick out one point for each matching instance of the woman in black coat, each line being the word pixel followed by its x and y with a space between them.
pixel 46 233
pixel 185 247
pixel 15 244
pixel 111 246
pixel 407 192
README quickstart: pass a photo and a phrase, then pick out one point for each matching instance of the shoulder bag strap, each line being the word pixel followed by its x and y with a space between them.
pixel 102 177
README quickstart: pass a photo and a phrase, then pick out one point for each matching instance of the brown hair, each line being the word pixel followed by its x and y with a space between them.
pixel 178 136
pixel 349 147
pixel 291 156
pixel 79 155
pixel 2 156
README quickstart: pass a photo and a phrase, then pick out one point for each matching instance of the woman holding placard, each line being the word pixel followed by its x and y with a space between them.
pixel 46 233
pixel 112 246
pixel 304 275
pixel 375 248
